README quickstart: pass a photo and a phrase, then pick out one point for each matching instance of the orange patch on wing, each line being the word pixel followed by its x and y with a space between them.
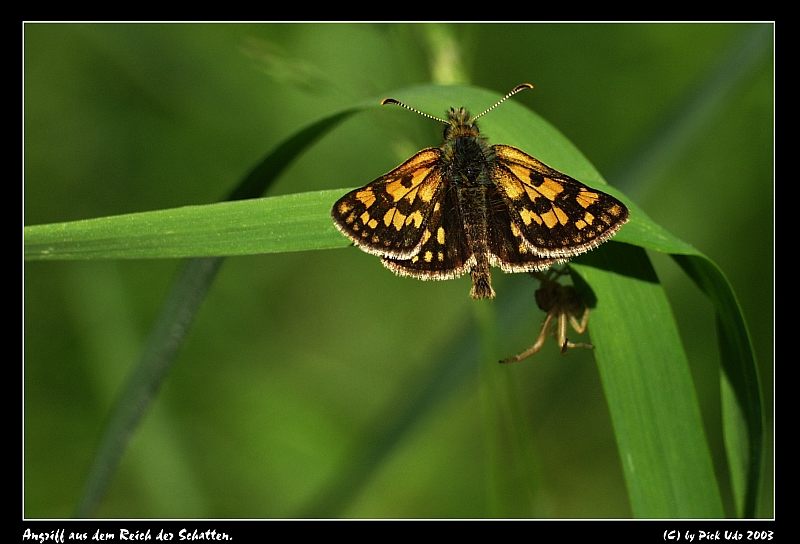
pixel 587 198
pixel 511 185
pixel 402 185
pixel 416 218
pixel 398 220
pixel 366 197
pixel 528 217
pixel 550 188
pixel 560 215
pixel 549 218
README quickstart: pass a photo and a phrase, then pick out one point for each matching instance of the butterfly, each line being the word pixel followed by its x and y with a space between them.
pixel 466 206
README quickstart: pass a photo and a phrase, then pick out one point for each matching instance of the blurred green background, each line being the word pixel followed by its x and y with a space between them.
pixel 316 383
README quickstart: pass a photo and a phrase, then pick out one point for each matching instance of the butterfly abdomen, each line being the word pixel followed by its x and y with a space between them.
pixel 471 181
pixel 469 162
pixel 473 203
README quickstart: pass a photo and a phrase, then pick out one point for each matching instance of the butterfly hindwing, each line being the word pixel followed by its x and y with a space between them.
pixel 556 215
pixel 444 252
pixel 388 217
pixel 510 252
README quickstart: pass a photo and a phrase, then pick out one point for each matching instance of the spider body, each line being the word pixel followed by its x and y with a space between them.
pixel 564 307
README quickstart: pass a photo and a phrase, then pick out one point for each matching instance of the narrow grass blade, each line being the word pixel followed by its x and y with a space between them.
pixel 742 410
pixel 664 452
pixel 296 222
pixel 166 337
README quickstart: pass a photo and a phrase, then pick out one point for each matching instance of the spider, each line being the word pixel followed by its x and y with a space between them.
pixel 562 304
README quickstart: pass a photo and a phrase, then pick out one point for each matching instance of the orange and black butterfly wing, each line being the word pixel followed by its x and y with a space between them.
pixel 444 252
pixel 389 216
pixel 555 215
pixel 509 250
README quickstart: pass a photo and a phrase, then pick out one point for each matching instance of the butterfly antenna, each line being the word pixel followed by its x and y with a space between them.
pixel 519 88
pixel 406 106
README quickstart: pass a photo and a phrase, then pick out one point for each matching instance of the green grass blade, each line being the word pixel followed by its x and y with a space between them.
pixel 649 388
pixel 296 222
pixel 742 411
pixel 160 350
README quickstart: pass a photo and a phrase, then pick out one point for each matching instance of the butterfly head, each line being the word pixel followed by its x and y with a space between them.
pixel 459 124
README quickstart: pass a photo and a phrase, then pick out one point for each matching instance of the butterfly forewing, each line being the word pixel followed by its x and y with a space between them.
pixel 388 217
pixel 556 215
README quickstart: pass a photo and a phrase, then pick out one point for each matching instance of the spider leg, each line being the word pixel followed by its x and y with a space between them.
pixel 580 326
pixel 549 275
pixel 541 276
pixel 561 303
pixel 570 345
pixel 561 332
pixel 536 345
